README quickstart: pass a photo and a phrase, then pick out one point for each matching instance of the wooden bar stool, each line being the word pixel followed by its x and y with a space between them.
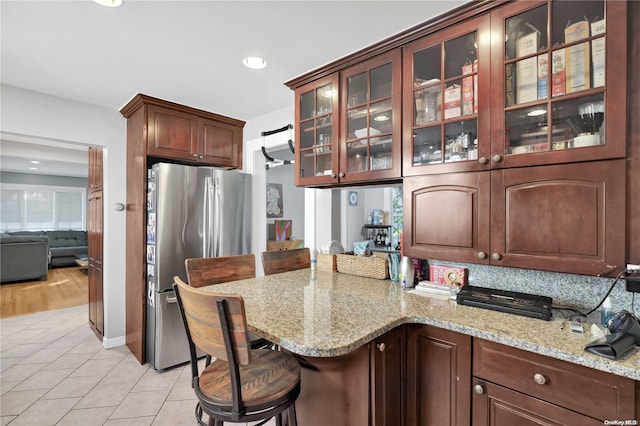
pixel 240 385
pixel 202 271
pixel 275 262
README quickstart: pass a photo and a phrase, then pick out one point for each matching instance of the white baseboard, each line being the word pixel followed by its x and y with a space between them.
pixel 113 342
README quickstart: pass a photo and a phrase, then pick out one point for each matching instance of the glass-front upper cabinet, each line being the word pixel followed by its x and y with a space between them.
pixel 560 100
pixel 446 106
pixel 370 131
pixel 317 132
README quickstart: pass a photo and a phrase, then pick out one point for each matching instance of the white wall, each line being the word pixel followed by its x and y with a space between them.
pixel 32 114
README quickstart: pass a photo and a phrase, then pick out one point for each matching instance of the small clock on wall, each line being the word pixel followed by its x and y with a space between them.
pixel 353 198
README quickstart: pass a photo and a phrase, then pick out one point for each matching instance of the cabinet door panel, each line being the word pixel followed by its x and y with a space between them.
pixel 370 130
pixel 566 218
pixel 219 143
pixel 388 372
pixel 438 376
pixel 446 217
pixel 499 406
pixel 172 134
pixel 547 111
pixel 316 118
pixel 446 92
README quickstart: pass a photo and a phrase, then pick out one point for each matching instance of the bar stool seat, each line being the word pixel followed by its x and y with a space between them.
pixel 240 384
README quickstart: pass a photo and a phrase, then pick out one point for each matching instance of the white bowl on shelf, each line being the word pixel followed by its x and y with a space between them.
pixel 362 133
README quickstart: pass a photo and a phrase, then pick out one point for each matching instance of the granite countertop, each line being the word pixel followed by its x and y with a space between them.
pixel 336 313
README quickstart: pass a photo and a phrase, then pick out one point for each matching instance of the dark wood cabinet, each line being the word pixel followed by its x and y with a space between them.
pixel 446 93
pixel 388 371
pixel 159 130
pixel 438 376
pixel 370 120
pixel 316 118
pixel 513 386
pixel 499 406
pixel 557 95
pixel 179 133
pixel 447 216
pixel 348 124
pixel 564 218
pixel 95 169
pixel 95 238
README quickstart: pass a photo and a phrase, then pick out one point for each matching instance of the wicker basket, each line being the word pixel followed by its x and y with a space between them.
pixel 327 262
pixel 375 266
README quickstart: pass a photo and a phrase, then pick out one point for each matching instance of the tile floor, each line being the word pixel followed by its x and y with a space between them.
pixel 54 371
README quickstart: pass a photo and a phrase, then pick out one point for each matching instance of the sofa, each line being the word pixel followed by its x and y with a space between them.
pixel 23 252
pixel 23 257
pixel 66 246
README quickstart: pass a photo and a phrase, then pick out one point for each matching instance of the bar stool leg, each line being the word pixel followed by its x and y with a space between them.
pixel 293 421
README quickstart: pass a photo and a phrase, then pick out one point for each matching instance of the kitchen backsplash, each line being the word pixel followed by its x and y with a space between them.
pixel 578 291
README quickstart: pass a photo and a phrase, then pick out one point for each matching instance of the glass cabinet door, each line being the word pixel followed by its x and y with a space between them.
pixel 371 129
pixel 442 88
pixel 555 82
pixel 316 131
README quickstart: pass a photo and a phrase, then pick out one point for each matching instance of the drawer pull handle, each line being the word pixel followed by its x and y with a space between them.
pixel 539 379
pixel 381 347
pixel 478 389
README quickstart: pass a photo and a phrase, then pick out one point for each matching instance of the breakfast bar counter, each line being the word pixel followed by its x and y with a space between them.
pixel 334 314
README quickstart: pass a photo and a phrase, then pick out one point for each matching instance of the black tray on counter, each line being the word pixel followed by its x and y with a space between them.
pixel 512 302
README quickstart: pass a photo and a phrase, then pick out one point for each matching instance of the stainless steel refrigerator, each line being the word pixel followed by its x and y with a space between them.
pixel 191 212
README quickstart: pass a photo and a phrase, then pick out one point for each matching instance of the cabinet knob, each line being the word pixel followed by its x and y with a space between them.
pixel 195 155
pixel 341 174
pixel 482 255
pixel 483 160
pixel 333 175
pixel 381 347
pixel 497 158
pixel 478 389
pixel 201 157
pixel 539 379
pixel 496 256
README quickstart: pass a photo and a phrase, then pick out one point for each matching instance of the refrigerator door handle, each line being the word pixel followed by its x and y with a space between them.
pixel 172 300
pixel 212 214
pixel 207 215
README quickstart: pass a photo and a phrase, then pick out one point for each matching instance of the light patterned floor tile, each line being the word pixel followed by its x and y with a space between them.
pixel 105 395
pixel 73 387
pixel 14 403
pixel 45 412
pixel 154 380
pixel 136 421
pixel 96 367
pixel 45 379
pixel 87 416
pixel 140 404
pixel 174 413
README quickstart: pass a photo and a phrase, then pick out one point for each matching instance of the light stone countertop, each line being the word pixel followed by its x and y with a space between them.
pixel 337 313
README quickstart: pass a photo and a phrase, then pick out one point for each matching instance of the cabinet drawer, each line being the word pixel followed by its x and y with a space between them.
pixel 595 393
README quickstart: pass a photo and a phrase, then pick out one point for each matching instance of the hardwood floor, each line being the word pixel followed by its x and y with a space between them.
pixel 64 287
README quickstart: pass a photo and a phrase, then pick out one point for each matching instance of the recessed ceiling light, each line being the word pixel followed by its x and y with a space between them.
pixel 381 117
pixel 33 168
pixel 536 112
pixel 34 162
pixel 328 93
pixel 254 62
pixel 109 3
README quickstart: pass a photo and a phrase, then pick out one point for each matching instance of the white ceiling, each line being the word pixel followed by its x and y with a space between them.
pixel 189 52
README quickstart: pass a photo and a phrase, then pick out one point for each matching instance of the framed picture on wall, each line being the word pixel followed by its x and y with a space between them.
pixel 274 200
